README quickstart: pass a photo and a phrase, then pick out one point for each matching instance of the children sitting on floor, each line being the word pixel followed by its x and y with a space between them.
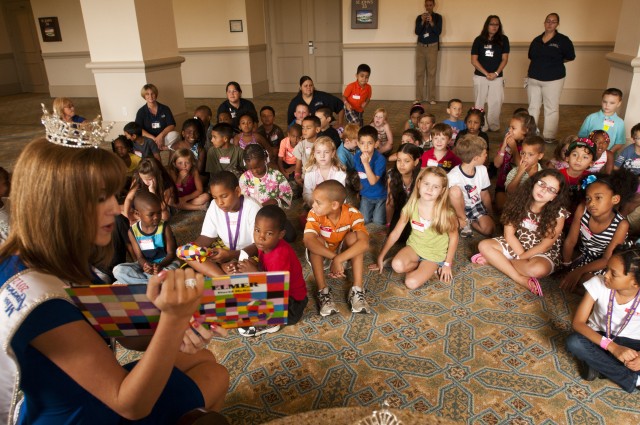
pixel 302 151
pixel 431 247
pixel 151 176
pixel 530 156
pixel 454 109
pixel 142 146
pixel 322 165
pixel 425 124
pixel 347 151
pixel 580 156
pixel 334 234
pixel 152 241
pixel 604 157
pixel 230 217
pixel 271 132
pixel 325 116
pixel 185 176
pixel 385 136
pixel 469 187
pixel 275 255
pixel 192 130
pixel 607 119
pixel 286 158
pixel 401 181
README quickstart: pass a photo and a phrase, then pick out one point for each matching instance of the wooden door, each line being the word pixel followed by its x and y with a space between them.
pixel 293 25
pixel 26 48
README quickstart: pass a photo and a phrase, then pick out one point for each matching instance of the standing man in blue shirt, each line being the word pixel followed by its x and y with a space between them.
pixel 428 30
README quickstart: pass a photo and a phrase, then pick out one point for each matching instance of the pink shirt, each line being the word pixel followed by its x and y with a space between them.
pixel 286 152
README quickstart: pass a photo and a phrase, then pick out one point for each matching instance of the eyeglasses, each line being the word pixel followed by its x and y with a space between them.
pixel 636 138
pixel 545 186
pixel 550 22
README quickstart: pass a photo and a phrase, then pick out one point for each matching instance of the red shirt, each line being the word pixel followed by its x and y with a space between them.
pixel 573 181
pixel 283 258
pixel 448 161
pixel 357 95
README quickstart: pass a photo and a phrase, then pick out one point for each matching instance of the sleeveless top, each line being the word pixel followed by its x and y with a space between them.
pixel 152 245
pixel 186 187
pixel 425 241
pixel 593 245
pixel 382 135
pixel 244 144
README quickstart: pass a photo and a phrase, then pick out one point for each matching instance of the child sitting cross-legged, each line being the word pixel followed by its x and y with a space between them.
pixel 152 241
pixel 275 255
pixel 231 217
pixel 468 187
pixel 431 247
pixel 533 219
pixel 335 232
pixel 530 155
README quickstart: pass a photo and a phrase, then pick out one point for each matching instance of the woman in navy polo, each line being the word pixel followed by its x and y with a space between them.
pixel 315 99
pixel 236 106
pixel 548 52
pixel 489 56
pixel 155 118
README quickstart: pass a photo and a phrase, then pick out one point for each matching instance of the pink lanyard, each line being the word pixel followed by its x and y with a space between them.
pixel 627 317
pixel 234 242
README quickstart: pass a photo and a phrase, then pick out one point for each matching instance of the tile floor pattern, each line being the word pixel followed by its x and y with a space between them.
pixel 478 350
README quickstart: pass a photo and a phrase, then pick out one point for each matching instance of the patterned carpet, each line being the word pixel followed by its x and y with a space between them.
pixel 478 350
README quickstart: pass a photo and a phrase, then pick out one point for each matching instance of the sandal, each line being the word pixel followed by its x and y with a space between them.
pixel 478 259
pixel 534 286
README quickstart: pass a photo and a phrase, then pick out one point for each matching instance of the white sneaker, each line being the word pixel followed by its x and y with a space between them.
pixel 325 302
pixel 252 331
pixel 466 231
pixel 357 301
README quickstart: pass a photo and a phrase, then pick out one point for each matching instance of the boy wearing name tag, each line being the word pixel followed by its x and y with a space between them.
pixel 152 242
pixel 335 231
pixel 223 155
pixel 607 119
pixel 356 96
pixel 302 151
pixel 231 217
pixel 371 167
pixel 440 155
pixel 276 255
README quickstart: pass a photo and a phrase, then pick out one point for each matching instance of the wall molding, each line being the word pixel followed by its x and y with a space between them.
pixel 66 55
pixel 464 45
pixel 11 88
pixel 224 49
pixel 622 61
pixel 129 66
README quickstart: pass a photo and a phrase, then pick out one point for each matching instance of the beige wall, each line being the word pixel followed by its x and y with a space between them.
pixel 9 82
pixel 393 43
pixel 213 55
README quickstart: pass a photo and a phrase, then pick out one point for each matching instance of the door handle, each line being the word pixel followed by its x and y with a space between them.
pixel 311 47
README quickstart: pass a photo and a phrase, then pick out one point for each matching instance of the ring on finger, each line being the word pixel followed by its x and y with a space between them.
pixel 190 283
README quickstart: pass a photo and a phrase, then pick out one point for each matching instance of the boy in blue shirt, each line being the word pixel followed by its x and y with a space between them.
pixel 607 120
pixel 454 109
pixel 371 167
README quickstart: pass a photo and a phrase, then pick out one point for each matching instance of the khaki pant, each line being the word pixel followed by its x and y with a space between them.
pixel 426 60
pixel 490 92
pixel 547 93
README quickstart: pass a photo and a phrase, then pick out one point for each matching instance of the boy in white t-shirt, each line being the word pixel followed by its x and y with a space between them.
pixel 468 187
pixel 231 217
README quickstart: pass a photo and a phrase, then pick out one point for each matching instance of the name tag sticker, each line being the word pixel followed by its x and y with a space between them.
pixel 225 160
pixel 325 232
pixel 416 225
pixel 425 35
pixel 356 96
pixel 146 244
pixel 432 163
pixel 488 53
pixel 362 175
pixel 608 124
pixel 155 125
pixel 585 231
pixel 308 151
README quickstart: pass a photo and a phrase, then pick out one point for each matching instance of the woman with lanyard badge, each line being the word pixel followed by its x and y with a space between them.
pixel 489 56
pixel 64 368
pixel 548 52
pixel 607 323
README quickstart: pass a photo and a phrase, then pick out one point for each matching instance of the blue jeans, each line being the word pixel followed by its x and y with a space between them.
pixel 132 272
pixel 373 210
pixel 603 361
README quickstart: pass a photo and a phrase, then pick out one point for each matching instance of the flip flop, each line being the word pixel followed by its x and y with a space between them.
pixel 478 259
pixel 534 286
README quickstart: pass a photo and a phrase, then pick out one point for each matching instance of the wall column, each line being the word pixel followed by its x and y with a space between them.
pixel 625 63
pixel 133 42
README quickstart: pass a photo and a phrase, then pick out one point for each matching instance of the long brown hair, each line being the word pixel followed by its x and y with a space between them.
pixel 55 192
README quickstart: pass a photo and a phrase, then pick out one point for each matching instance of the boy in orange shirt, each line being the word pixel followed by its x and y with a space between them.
pixel 356 96
pixel 336 231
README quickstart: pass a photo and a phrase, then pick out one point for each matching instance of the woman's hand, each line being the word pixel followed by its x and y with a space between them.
pixel 198 336
pixel 168 292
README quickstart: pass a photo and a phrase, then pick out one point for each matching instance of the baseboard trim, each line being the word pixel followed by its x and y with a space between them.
pixel 11 88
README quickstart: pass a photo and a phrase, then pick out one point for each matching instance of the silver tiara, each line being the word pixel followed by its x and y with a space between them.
pixel 88 134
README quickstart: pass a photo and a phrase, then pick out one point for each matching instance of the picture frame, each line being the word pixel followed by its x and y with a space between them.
pixel 364 14
pixel 50 29
pixel 235 25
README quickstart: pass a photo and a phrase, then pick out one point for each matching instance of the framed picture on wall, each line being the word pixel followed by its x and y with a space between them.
pixel 50 29
pixel 364 14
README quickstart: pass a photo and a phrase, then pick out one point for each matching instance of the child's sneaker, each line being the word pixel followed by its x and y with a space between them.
pixel 326 305
pixel 466 231
pixel 357 301
pixel 253 331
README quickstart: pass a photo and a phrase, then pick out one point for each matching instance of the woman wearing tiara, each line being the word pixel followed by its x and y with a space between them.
pixel 66 371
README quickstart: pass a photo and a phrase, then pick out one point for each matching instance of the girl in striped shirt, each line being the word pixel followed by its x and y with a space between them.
pixel 598 225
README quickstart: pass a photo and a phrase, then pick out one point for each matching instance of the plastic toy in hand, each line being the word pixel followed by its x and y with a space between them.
pixel 192 252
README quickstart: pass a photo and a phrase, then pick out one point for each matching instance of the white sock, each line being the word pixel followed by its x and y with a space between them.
pixel 638 382
pixel 357 288
pixel 325 290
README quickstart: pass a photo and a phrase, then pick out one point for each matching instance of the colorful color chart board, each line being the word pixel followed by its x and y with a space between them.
pixel 242 300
